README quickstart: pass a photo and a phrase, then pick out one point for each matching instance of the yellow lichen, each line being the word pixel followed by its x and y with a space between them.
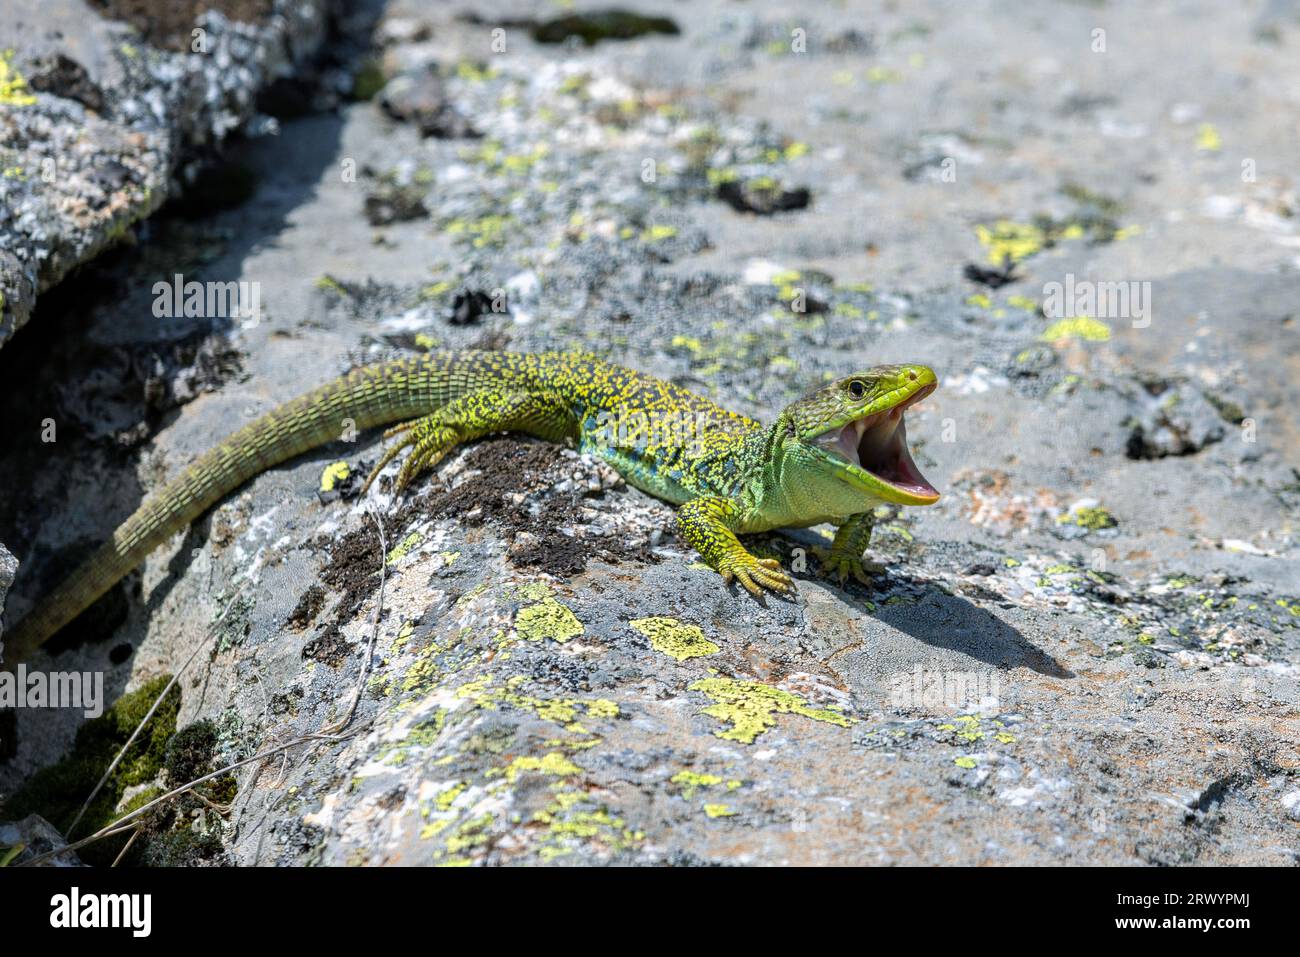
pixel 567 824
pixel 403 548
pixel 691 782
pixel 718 810
pixel 564 711
pixel 447 797
pixel 750 707
pixel 334 473
pixel 655 233
pixel 1007 241
pixel 674 639
pixel 553 762
pixel 1093 518
pixel 548 618
pixel 1078 327
pixel 13 88
pixel 1208 139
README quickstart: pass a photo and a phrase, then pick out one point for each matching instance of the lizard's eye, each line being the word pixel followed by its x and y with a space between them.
pixel 857 389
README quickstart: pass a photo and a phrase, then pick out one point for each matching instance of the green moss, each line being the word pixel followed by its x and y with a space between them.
pixel 57 792
pixel 189 753
pixel 750 708
pixel 674 639
pixel 368 80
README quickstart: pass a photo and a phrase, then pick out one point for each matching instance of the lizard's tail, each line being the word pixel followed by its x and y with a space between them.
pixel 364 398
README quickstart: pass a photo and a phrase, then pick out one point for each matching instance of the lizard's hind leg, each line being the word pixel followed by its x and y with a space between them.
pixel 470 417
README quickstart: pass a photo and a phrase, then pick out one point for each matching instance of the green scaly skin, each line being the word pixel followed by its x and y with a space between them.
pixel 728 474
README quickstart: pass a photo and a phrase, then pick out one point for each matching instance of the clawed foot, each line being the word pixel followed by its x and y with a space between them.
pixel 429 440
pixel 756 574
pixel 841 566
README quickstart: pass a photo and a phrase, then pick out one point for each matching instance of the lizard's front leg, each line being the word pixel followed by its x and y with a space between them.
pixel 844 557
pixel 470 417
pixel 708 524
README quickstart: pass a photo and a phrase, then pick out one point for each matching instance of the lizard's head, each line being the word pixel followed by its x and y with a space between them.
pixel 853 428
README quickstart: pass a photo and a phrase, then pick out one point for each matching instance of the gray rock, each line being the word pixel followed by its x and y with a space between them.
pixel 418 97
pixel 8 568
pixel 1075 657
pixel 100 122
pixel 1173 419
pixel 36 836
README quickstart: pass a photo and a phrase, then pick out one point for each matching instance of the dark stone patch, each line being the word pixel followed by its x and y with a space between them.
pixel 597 25
pixel 328 646
pixel 851 41
pixel 389 202
pixel 470 305
pixel 419 98
pixel 168 23
pixel 508 467
pixel 63 76
pixel 1175 419
pixel 762 196
pixel 989 276
pixel 216 187
pixel 308 607
pixel 8 735
pixel 96 624
pixel 288 97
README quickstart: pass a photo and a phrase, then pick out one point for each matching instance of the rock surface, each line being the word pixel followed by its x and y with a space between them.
pixel 33 836
pixel 101 108
pixel 1080 655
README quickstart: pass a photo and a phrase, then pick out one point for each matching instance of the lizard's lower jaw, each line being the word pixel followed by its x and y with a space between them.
pixel 874 448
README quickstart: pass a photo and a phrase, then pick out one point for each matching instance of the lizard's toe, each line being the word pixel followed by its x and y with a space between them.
pixel 843 567
pixel 767 572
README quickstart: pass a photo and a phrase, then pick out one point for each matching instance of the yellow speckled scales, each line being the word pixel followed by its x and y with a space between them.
pixel 405 389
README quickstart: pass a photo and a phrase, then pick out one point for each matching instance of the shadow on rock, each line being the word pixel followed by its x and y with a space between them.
pixel 952 622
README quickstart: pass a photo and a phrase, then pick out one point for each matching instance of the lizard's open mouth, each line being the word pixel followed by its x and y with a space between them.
pixel 877 445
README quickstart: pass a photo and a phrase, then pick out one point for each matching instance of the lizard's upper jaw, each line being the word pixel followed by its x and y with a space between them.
pixel 875 449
